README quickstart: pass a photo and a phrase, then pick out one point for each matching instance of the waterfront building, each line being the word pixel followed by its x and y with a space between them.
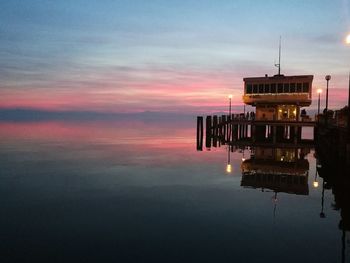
pixel 278 97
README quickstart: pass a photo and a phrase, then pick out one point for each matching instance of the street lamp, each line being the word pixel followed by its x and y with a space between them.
pixel 347 39
pixel 230 98
pixel 319 91
pixel 328 78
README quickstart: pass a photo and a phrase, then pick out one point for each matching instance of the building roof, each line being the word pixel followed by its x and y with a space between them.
pixel 279 78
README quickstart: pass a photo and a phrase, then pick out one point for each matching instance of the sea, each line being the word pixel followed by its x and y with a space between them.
pixel 140 191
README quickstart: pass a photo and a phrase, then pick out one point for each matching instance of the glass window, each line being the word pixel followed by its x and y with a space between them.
pixel 255 88
pixel 267 88
pixel 305 87
pixel 261 88
pixel 280 88
pixel 292 87
pixel 249 89
pixel 273 88
pixel 298 87
pixel 286 87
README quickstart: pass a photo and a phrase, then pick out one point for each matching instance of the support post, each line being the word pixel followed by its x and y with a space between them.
pixel 199 133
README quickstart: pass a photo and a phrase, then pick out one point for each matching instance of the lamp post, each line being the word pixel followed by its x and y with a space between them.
pixel 230 99
pixel 347 41
pixel 319 91
pixel 328 78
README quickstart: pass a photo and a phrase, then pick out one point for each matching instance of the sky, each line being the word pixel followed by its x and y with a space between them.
pixel 169 56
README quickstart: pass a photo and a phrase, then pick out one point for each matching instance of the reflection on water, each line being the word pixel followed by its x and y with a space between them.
pixel 276 169
pixel 132 191
pixel 280 170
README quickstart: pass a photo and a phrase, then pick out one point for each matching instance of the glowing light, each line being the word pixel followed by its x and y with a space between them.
pixel 229 168
pixel 230 96
pixel 319 91
pixel 295 111
pixel 347 39
pixel 243 159
pixel 315 184
pixel 279 110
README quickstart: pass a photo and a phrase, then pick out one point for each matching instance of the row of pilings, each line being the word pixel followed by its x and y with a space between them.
pixel 228 129
pixel 220 130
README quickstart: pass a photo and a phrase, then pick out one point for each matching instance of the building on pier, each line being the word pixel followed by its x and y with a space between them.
pixel 279 97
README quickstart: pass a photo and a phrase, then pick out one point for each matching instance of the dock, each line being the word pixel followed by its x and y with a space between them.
pixel 228 129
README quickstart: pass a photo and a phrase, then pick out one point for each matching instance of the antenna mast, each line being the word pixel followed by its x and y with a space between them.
pixel 279 58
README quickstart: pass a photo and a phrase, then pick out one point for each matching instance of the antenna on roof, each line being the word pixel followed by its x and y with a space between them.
pixel 279 59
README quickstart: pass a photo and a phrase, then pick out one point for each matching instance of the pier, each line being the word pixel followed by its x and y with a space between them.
pixel 232 130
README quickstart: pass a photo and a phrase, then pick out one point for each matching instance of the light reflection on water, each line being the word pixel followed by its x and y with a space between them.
pixel 136 192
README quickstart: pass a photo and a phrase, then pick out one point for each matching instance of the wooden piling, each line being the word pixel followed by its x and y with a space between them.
pixel 208 132
pixel 199 133
pixel 215 130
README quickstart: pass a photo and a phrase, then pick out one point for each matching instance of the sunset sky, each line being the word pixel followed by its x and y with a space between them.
pixel 170 56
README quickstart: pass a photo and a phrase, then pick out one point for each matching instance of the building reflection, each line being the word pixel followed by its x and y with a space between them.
pixel 277 169
pixel 284 168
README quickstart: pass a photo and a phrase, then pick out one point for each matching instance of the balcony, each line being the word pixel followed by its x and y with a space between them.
pixel 301 99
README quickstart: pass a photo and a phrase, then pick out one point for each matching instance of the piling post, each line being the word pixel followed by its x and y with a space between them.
pixel 199 133
pixel 215 130
pixel 208 132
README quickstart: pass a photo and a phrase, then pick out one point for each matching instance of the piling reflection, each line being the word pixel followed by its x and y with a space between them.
pixel 268 166
pixel 280 165
pixel 335 175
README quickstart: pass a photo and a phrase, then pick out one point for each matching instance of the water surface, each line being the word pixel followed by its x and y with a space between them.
pixel 133 191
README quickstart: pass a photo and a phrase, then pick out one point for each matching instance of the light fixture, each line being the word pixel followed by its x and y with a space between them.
pixel 228 168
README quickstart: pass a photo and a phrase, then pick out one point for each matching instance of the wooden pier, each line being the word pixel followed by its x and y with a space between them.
pixel 228 129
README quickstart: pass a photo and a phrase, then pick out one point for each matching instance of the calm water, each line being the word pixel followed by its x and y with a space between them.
pixel 140 192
